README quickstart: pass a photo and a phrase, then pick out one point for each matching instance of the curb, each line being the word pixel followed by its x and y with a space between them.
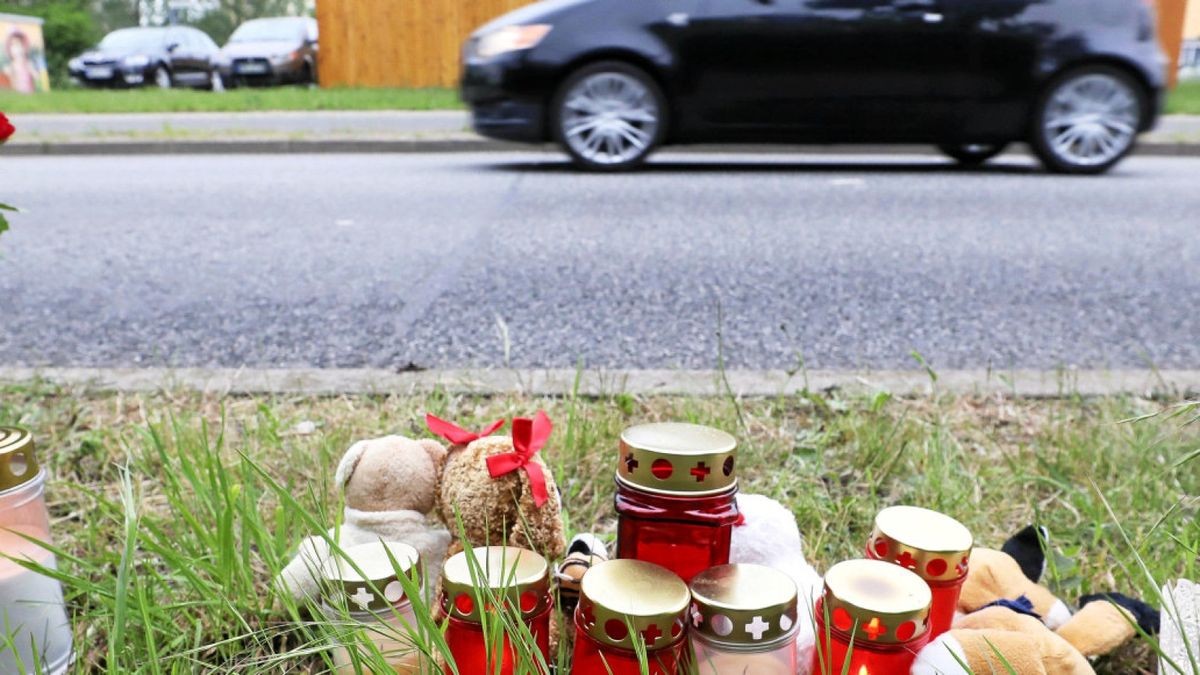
pixel 595 383
pixel 467 144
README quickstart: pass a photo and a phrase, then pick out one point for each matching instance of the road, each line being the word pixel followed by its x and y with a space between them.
pixel 484 260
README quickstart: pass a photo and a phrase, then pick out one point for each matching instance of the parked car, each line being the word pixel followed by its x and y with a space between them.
pixel 161 57
pixel 611 80
pixel 271 51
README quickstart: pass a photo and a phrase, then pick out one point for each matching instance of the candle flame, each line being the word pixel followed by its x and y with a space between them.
pixel 863 671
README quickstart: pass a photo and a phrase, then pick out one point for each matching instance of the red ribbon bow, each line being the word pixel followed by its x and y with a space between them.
pixel 456 434
pixel 528 436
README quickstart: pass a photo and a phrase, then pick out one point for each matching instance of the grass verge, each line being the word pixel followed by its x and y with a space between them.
pixel 1185 100
pixel 183 483
pixel 237 100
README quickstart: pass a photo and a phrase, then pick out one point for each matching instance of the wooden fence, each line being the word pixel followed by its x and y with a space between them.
pixel 418 43
pixel 399 43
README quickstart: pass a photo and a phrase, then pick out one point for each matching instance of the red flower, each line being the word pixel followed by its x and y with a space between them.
pixel 6 128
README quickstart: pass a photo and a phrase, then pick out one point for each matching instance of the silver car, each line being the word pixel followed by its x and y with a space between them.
pixel 280 50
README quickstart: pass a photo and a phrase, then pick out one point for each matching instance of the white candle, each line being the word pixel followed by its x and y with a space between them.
pixel 31 607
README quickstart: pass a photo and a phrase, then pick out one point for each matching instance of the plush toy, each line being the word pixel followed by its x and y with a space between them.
pixel 1180 635
pixel 1006 612
pixel 390 486
pixel 583 553
pixel 499 489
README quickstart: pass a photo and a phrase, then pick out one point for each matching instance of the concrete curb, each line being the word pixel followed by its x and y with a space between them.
pixel 561 382
pixel 458 144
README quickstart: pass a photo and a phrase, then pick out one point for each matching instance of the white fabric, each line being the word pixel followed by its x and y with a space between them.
pixel 943 656
pixel 1059 615
pixel 1180 629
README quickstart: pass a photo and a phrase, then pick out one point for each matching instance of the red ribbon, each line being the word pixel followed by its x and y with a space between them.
pixel 456 434
pixel 528 436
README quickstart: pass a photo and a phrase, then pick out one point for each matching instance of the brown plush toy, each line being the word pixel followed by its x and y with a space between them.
pixel 1006 612
pixel 500 490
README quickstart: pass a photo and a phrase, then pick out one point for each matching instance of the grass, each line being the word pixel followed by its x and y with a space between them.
pixel 237 100
pixel 1185 100
pixel 174 511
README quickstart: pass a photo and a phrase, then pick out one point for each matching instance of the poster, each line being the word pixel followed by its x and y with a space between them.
pixel 22 55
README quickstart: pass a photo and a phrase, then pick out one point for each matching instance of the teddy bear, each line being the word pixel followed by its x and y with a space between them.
pixel 390 488
pixel 1006 612
pixel 498 490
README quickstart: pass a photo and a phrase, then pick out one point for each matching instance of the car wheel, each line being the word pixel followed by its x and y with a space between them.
pixel 162 78
pixel 1088 120
pixel 609 116
pixel 972 154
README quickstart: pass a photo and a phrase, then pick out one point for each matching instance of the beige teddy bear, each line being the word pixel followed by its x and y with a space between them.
pixel 390 486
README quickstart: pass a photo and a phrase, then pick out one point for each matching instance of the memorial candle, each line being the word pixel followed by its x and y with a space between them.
pixel 744 621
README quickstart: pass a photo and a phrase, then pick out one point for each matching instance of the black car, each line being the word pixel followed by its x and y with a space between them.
pixel 160 57
pixel 611 80
pixel 276 50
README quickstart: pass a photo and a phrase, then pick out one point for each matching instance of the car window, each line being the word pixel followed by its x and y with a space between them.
pixel 202 41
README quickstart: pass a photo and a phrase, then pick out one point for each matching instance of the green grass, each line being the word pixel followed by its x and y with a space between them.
pixel 237 100
pixel 1185 100
pixel 173 512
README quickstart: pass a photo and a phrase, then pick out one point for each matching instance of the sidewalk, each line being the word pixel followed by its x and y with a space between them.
pixel 352 131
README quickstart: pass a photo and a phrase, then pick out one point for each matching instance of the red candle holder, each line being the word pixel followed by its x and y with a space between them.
pixel 744 621
pixel 934 546
pixel 872 619
pixel 676 496
pixel 623 601
pixel 494 579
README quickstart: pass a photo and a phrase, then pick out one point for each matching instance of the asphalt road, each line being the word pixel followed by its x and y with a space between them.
pixel 482 260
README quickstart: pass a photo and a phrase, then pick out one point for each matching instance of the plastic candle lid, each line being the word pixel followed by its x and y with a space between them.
pixel 365 578
pixel 493 574
pixel 745 605
pixel 18 461
pixel 674 458
pixel 877 601
pixel 934 545
pixel 621 598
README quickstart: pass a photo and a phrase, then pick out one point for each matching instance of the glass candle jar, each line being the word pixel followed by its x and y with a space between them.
pixel 872 619
pixel 623 601
pixel 676 489
pixel 33 617
pixel 744 621
pixel 934 546
pixel 363 587
pixel 474 587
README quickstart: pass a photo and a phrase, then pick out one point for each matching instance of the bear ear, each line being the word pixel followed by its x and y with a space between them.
pixel 436 451
pixel 349 463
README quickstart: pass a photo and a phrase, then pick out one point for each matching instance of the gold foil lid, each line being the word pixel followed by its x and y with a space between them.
pixel 515 576
pixel 934 545
pixel 18 461
pixel 375 585
pixel 744 605
pixel 876 601
pixel 619 598
pixel 677 459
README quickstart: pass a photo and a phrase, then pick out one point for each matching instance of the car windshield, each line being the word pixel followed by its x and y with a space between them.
pixel 133 38
pixel 268 30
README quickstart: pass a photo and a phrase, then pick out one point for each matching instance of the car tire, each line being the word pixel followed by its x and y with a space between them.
pixel 162 78
pixel 609 116
pixel 1087 120
pixel 972 154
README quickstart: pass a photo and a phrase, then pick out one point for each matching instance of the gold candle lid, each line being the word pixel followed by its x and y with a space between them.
pixel 377 587
pixel 521 578
pixel 877 601
pixel 934 545
pixel 744 605
pixel 18 461
pixel 677 459
pixel 618 598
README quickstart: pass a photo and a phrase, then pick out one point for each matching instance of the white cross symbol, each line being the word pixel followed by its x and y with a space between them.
pixel 361 598
pixel 757 627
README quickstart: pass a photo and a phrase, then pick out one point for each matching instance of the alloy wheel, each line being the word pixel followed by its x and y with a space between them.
pixel 1091 120
pixel 162 79
pixel 610 118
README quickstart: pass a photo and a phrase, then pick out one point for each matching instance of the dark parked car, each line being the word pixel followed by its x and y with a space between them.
pixel 611 80
pixel 161 57
pixel 271 51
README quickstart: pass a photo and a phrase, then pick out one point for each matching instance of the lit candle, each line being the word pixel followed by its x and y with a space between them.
pixel 32 615
pixel 744 621
pixel 624 601
pixel 676 496
pixel 934 546
pixel 514 576
pixel 363 586
pixel 872 619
